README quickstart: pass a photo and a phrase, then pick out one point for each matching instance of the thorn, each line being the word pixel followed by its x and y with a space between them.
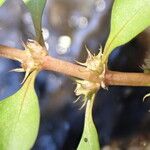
pixel 89 53
pixel 17 70
pixel 30 41
pixel 84 103
pixel 103 85
pixel 24 45
pixel 17 59
pixel 100 48
pixel 77 100
pixel 147 95
pixel 28 71
pixel 100 52
pixel 80 63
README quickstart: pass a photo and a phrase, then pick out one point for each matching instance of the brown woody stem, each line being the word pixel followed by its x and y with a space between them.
pixel 74 70
pixel 127 79
pixel 11 53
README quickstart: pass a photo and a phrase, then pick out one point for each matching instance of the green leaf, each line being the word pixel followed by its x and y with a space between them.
pixel 89 140
pixel 19 118
pixel 2 2
pixel 36 8
pixel 129 18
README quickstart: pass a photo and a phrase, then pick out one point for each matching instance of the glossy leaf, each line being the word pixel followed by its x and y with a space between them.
pixel 36 8
pixel 1 2
pixel 129 18
pixel 19 118
pixel 89 140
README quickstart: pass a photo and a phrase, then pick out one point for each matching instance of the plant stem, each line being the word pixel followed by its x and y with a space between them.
pixel 111 77
pixel 127 79
pixel 74 70
pixel 11 53
pixel 67 68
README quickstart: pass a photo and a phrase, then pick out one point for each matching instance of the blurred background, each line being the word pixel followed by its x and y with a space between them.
pixel 121 117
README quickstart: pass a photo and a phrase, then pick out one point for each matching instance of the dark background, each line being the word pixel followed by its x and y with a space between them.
pixel 121 117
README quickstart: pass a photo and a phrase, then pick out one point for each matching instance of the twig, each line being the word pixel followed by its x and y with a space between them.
pixel 127 79
pixel 12 53
pixel 74 70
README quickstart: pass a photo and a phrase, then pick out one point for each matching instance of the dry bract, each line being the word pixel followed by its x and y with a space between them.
pixel 34 52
